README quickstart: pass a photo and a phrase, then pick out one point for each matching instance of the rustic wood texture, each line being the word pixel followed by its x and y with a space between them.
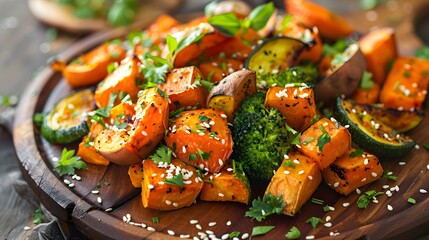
pixel 78 206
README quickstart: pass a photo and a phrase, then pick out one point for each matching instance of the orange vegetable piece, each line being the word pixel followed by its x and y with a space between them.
pixel 379 48
pixel 219 68
pixel 158 194
pixel 90 155
pixel 122 79
pixel 182 90
pixel 310 14
pixel 201 138
pixel 406 84
pixel 336 139
pixel 91 67
pixel 295 184
pixel 295 103
pixel 135 172
pixel 366 96
pixel 159 29
pixel 347 173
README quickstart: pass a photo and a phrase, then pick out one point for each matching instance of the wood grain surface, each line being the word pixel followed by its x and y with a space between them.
pixel 79 206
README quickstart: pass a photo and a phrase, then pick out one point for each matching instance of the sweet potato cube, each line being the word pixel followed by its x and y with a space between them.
pixel 169 186
pixel 226 186
pixel 295 103
pixel 325 141
pixel 367 96
pixel 352 171
pixel 295 180
pixel 201 138
pixel 183 89
pixel 135 172
pixel 406 84
pixel 90 155
pixel 379 48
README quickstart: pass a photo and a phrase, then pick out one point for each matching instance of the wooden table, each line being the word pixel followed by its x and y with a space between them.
pixel 26 45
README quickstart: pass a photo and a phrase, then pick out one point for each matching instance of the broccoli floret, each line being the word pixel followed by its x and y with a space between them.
pixel 260 137
pixel 307 74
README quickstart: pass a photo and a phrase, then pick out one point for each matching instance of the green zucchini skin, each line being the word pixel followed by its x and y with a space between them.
pixel 274 54
pixel 367 135
pixel 64 125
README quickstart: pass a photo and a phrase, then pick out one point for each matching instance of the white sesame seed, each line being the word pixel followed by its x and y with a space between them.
pixel 286 156
pixel 55 159
pixel 385 186
pixel 310 237
pixel 374 174
pixel 423 190
pixel 71 185
pixel 389 207
pixel 228 223
pixel 366 161
pixel 245 236
pixel 417 146
pixel 296 161
pixel 193 221
pixel 301 172
pixel 151 229
pixel 95 192
pixel 221 195
pixel 328 224
pixel 402 163
pixel 223 115
pixel 99 200
pixel 175 204
pixel 223 141
pixel 310 177
pixel 389 193
pixel 185 236
pixel 336 184
pixel 363 180
pixel 427 166
pixel 328 218
pixel 195 238
pixel 150 186
pixel 347 126
pixel 184 149
pixel 108 209
pixel 168 202
pixel 220 162
pixel 171 232
pixel 66 181
pixel 198 226
pixel 346 204
pixel 124 218
pixel 209 232
pixel 144 133
pixel 331 208
pixel 225 236
pixel 286 172
pixel 211 224
pixel 26 228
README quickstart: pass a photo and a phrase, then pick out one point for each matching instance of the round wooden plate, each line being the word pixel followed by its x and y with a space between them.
pixel 82 208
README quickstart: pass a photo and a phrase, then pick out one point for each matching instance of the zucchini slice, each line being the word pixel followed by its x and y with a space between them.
pixel 400 120
pixel 274 55
pixel 66 122
pixel 370 133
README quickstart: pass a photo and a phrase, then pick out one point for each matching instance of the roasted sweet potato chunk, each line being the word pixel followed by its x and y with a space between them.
pixel 351 171
pixel 295 180
pixel 135 172
pixel 169 186
pixel 325 141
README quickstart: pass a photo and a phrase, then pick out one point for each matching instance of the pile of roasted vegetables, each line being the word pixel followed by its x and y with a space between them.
pixel 240 97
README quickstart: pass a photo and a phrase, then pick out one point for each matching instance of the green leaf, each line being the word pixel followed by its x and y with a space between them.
pixel 317 201
pixel 193 37
pixel 293 233
pixel 422 52
pixel 389 176
pixel 192 156
pixel 366 81
pixel 356 153
pixel 162 93
pixel 37 216
pixel 38 119
pixel 289 163
pixel 122 13
pixel 425 146
pixel 172 46
pixel 203 118
pixel 308 140
pixel 176 180
pixel 68 163
pixel 111 67
pixel 157 59
pixel 314 221
pixel 364 199
pixel 155 220
pixel 268 205
pixel 323 139
pixel 234 234
pixel 261 230
pixel 203 155
pixel 411 200
pixel 209 8
pixel 154 73
pixel 338 47
pixel 228 24
pixel 162 154
pixel 260 15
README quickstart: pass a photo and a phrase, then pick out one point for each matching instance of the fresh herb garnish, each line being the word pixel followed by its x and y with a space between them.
pixel 176 180
pixel 406 74
pixel 369 4
pixel 203 155
pixel 327 208
pixel 261 230
pixel 317 201
pixel 162 154
pixel 364 199
pixel 338 47
pixel 268 205
pixel 293 233
pixel 389 176
pixel 323 139
pixel 411 200
pixel 314 221
pixel 192 156
pixel 425 146
pixel 228 24
pixel 68 163
pixel 37 216
pixel 155 220
pixel 111 67
pixel 357 152
pixel 289 163
pixel 234 234
pixel 308 140
pixel 422 52
pixel 366 82
pixel 203 118
pixel 162 93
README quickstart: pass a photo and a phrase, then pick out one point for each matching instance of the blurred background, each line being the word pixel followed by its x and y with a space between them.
pixel 33 31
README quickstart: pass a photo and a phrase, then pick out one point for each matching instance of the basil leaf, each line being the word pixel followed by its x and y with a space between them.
pixel 260 15
pixel 227 24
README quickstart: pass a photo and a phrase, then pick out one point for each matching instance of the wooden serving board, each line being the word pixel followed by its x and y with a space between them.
pixel 80 207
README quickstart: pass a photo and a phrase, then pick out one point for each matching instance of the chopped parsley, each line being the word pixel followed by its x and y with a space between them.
pixel 323 139
pixel 293 233
pixel 203 155
pixel 176 180
pixel 261 230
pixel 289 163
pixel 357 152
pixel 317 201
pixel 364 199
pixel 308 140
pixel 162 154
pixel 268 205
pixel 389 176
pixel 37 216
pixel 68 163
pixel 411 200
pixel 366 82
pixel 314 221
pixel 155 220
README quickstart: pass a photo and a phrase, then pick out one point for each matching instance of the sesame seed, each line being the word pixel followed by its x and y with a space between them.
pixel 366 161
pixel 184 149
pixel 417 146
pixel 211 224
pixel 228 223
pixel 66 181
pixel 124 218
pixel 346 204
pixel 325 124
pixel 108 209
pixel 229 169
pixel 209 232
pixel 423 190
pixel 328 218
pixel 168 202
pixel 310 237
pixel 193 221
pixel 95 192
pixel 347 126
pixel 310 177
pixel 331 208
pixel 223 115
pixel 301 172
pixel 385 186
pixel 225 236
pixel 221 195
pixel 71 185
pixel 336 184
pixel 151 229
pixel 184 236
pixel 150 186
pixel 195 238
pixel 363 180
pixel 374 174
pixel 296 161
pixel 245 236
pixel 358 191
pixel 99 200
pixel 389 193
pixel 427 166
pixel 144 133
pixel 389 207
pixel 171 232
pixel 198 226
pixel 402 163
pixel 328 224
pixel 26 228
pixel 220 162
pixel 175 204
